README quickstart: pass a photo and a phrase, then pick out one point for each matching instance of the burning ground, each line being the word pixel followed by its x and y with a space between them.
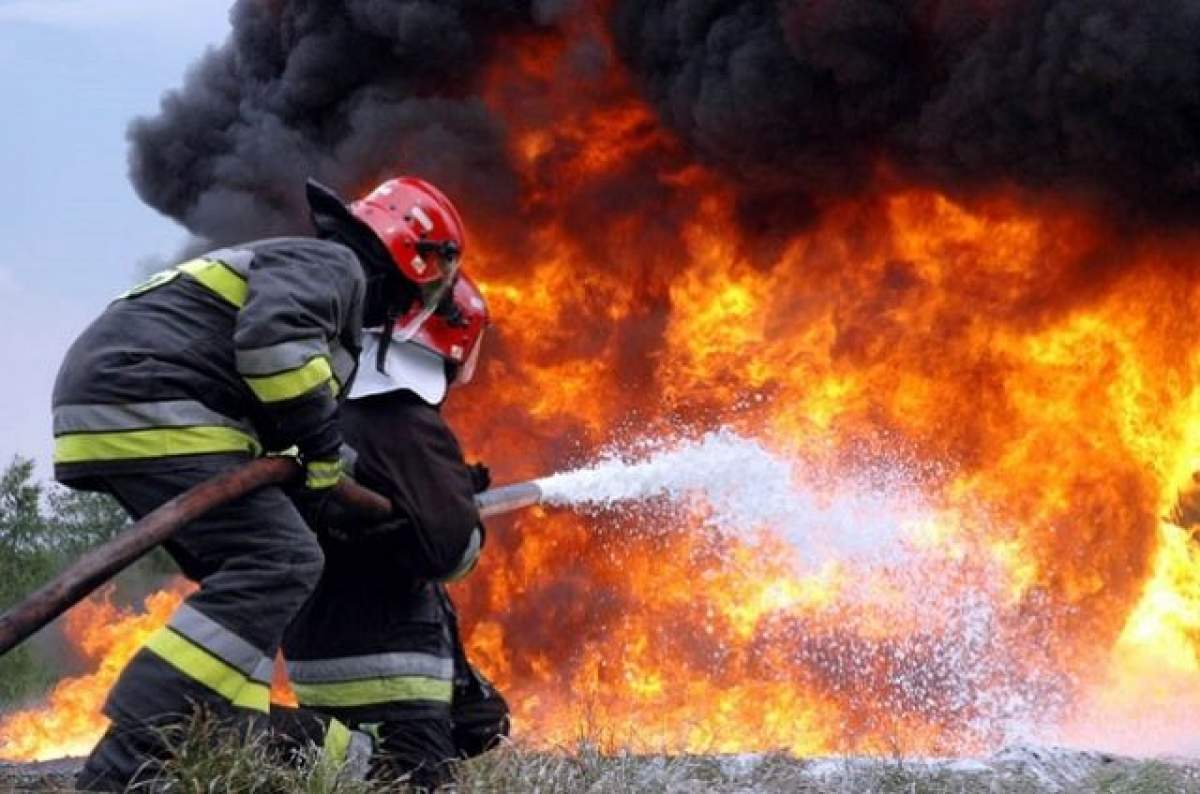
pixel 936 255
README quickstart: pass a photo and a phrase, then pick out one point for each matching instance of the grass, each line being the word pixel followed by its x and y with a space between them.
pixel 1152 777
pixel 207 757
pixel 583 769
pixel 513 769
pixel 208 760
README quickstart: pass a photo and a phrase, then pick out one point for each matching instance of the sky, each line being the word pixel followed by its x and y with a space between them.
pixel 73 233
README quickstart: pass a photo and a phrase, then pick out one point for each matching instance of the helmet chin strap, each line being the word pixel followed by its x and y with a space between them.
pixel 389 327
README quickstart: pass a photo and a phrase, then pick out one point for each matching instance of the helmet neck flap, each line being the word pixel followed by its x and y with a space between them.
pixel 408 367
pixel 386 290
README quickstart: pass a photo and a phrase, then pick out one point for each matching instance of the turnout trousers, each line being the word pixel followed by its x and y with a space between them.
pixel 381 653
pixel 256 562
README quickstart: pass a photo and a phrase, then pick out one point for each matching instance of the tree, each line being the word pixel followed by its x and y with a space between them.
pixel 80 520
pixel 24 550
pixel 40 532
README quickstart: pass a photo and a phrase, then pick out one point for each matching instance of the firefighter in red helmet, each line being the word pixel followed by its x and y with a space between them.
pixel 206 365
pixel 377 646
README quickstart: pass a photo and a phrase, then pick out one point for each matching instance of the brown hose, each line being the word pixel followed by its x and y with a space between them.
pixel 106 561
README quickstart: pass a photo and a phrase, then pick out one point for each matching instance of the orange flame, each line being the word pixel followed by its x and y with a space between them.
pixel 69 723
pixel 1027 367
pixel 106 636
pixel 1030 370
pixel 1032 362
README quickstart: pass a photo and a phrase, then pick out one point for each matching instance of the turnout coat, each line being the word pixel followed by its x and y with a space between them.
pixel 240 350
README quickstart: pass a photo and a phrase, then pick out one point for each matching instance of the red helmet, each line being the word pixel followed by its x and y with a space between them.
pixel 418 225
pixel 454 330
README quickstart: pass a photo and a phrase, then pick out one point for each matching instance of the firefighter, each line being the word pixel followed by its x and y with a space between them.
pixel 205 366
pixel 377 646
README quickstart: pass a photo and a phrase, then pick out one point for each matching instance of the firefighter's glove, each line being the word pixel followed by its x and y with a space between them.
pixel 322 474
pixel 481 477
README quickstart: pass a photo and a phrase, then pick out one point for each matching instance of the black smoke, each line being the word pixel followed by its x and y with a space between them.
pixel 342 91
pixel 1095 99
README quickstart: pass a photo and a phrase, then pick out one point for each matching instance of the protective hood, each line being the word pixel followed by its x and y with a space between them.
pixel 408 367
pixel 332 218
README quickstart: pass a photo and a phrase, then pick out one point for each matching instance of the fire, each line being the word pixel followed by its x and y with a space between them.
pixel 1026 367
pixel 1025 364
pixel 1021 352
pixel 106 636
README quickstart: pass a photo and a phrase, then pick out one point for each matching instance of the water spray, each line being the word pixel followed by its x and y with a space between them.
pixel 735 485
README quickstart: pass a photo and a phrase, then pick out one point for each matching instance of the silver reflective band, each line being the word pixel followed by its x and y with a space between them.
pixel 264 671
pixel 282 357
pixel 380 665
pixel 236 259
pixel 222 643
pixel 348 456
pixel 139 416
pixel 344 364
pixel 469 557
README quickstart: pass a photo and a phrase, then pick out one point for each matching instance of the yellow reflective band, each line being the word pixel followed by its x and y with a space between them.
pixel 153 282
pixel 293 383
pixel 218 278
pixel 254 696
pixel 321 474
pixel 159 442
pixel 346 694
pixel 199 665
pixel 337 742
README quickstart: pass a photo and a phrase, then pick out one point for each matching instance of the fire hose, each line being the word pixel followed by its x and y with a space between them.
pixel 107 560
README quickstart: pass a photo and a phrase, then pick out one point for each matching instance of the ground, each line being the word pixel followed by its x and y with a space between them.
pixel 1017 770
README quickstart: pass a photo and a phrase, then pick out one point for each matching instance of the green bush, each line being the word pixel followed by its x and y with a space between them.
pixel 40 532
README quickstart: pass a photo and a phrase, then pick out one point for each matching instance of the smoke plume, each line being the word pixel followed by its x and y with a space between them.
pixel 341 91
pixel 1097 99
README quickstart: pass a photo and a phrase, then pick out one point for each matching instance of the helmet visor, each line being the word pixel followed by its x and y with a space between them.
pixel 431 295
pixel 467 371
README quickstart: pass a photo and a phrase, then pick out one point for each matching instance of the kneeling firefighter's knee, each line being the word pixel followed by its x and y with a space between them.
pixel 309 562
pixel 452 568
